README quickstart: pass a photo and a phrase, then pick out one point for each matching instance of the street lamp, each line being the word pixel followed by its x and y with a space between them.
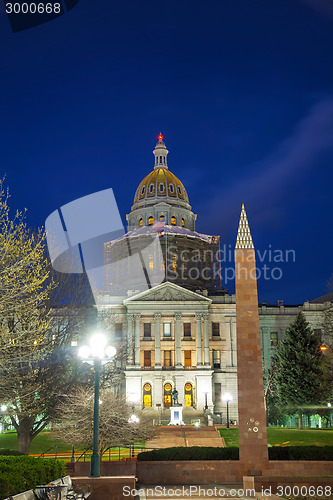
pixel 97 353
pixel 227 397
pixel 206 403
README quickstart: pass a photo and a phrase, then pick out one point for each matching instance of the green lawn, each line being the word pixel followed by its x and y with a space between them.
pixel 40 444
pixel 286 437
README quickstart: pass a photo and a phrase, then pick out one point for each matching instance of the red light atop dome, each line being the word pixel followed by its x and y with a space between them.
pixel 160 137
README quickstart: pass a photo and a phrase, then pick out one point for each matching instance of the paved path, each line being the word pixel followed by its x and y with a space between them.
pixel 171 435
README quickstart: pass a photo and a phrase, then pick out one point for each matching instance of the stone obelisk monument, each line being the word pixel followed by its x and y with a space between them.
pixel 253 452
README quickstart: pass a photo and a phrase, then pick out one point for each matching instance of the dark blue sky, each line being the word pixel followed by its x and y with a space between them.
pixel 242 91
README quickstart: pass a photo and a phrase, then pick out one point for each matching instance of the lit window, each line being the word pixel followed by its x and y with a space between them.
pixel 171 188
pixel 151 188
pixel 187 358
pixel 174 262
pixel 167 358
pixel 150 220
pixel 147 358
pixel 162 218
pixel 147 395
pixel 187 329
pixel 161 187
pixel 183 222
pixel 179 190
pixel 140 222
pixel 274 339
pixel 173 220
pixel 167 329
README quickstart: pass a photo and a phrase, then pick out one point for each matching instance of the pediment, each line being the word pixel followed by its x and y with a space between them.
pixel 168 292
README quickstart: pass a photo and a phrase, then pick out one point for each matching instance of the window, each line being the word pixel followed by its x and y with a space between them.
pixel 150 220
pixel 151 188
pixel 140 223
pixel 147 329
pixel 274 339
pixel 187 358
pixel 183 222
pixel 171 188
pixel 167 329
pixel 188 394
pixel 216 329
pixel 146 358
pixel 187 329
pixel 216 359
pixel 142 190
pixel 179 190
pixel 217 393
pixel 151 261
pixel 174 262
pixel 118 329
pixel 167 358
pixel 167 395
pixel 147 396
pixel 162 218
pixel 161 187
pixel 173 220
pixel 161 159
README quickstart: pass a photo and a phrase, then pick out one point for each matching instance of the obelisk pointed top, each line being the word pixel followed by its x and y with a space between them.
pixel 244 238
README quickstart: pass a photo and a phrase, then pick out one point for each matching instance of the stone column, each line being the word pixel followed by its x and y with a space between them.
pixel 157 340
pixel 129 357
pixel 199 346
pixel 206 339
pixel 136 340
pixel 178 315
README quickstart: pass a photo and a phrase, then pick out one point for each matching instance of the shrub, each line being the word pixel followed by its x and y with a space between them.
pixel 210 453
pixel 190 453
pixel 12 453
pixel 18 474
pixel 300 453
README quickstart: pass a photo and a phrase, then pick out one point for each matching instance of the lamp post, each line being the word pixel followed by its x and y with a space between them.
pixel 97 353
pixel 206 403
pixel 227 397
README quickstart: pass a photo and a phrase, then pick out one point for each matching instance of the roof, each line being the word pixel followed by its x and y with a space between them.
pixel 324 298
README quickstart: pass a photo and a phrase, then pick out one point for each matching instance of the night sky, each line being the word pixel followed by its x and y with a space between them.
pixel 242 91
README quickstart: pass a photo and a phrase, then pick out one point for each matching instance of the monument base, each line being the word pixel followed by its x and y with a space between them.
pixel 176 415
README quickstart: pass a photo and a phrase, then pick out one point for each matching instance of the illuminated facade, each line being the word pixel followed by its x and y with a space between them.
pixel 181 334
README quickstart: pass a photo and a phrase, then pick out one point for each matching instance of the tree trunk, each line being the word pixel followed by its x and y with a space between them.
pixel 24 440
pixel 300 421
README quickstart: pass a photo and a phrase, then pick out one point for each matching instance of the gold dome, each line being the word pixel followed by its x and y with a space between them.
pixel 163 184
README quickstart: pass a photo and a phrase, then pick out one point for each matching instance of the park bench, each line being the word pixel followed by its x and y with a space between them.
pixel 27 495
pixel 73 492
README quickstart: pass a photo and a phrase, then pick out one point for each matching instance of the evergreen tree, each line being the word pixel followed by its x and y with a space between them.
pixel 299 376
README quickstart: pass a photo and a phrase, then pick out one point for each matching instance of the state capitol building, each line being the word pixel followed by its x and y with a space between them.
pixel 177 322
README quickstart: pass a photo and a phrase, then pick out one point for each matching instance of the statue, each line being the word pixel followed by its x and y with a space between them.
pixel 174 395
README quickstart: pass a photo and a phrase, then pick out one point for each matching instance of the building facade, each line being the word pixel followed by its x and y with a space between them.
pixel 181 333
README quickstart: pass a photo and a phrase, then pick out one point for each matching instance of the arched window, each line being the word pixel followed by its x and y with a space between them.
pixel 161 187
pixel 147 396
pixel 151 188
pixel 167 394
pixel 179 190
pixel 142 190
pixel 171 188
pixel 140 222
pixel 173 220
pixel 188 394
pixel 183 222
pixel 161 157
pixel 150 220
pixel 162 218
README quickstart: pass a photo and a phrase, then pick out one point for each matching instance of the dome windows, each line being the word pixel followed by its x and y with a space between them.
pixel 161 187
pixel 171 188
pixel 151 188
pixel 140 222
pixel 150 220
pixel 162 218
pixel 142 189
pixel 179 190
pixel 183 222
pixel 173 220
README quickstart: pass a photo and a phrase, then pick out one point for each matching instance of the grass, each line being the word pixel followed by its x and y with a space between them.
pixel 39 444
pixel 286 437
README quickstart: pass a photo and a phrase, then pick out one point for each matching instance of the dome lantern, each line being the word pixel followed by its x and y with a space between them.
pixel 160 153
